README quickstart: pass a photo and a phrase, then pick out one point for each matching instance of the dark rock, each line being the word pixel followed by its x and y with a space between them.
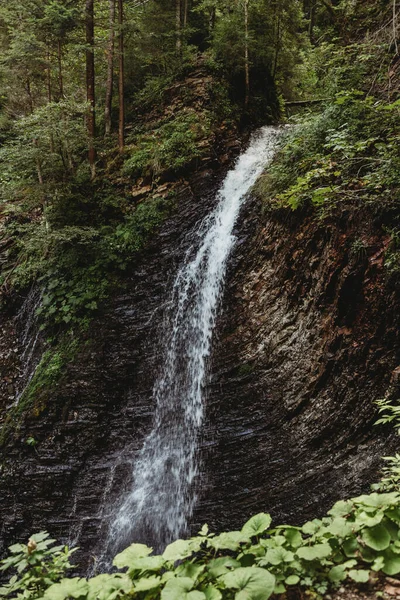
pixel 308 337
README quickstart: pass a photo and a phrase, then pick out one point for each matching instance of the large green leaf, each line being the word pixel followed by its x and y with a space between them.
pixel 359 575
pixel 147 583
pixel 191 570
pixel 220 566
pixel 337 574
pixel 277 556
pixel 340 527
pixel 147 563
pixel 377 538
pixel 67 588
pixel 125 558
pixel 350 547
pixel 294 537
pixel 341 508
pixel 311 527
pixel 378 500
pixel 370 520
pixel 108 587
pixel 181 549
pixel 392 562
pixel 229 541
pixel 257 525
pixel 314 552
pixel 212 593
pixel 252 583
pixel 180 588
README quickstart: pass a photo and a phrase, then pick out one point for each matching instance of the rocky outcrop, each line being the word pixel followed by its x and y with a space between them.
pixel 307 339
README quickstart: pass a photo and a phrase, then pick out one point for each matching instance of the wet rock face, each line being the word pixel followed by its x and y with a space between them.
pixel 307 339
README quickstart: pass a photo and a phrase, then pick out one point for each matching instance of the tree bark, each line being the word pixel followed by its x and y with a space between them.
pixel 49 94
pixel 185 13
pixel 121 121
pixel 178 26
pixel 246 52
pixel 60 70
pixel 213 11
pixel 90 82
pixel 313 7
pixel 110 69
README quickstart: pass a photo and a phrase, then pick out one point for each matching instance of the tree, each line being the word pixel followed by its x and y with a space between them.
pixel 110 68
pixel 121 123
pixel 90 82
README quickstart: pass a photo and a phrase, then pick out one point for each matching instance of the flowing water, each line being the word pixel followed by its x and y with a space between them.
pixel 160 503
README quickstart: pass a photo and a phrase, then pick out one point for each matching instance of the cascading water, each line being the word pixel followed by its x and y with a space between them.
pixel 161 501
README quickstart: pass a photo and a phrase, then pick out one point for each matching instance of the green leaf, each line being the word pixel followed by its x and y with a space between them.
pixel 147 563
pixel 378 500
pixel 359 576
pixel 179 588
pixel 314 552
pixel 253 583
pixel 350 547
pixel 229 541
pixel 379 563
pixel 341 508
pixel 204 530
pixel 179 550
pixel 257 525
pixel 125 558
pixel 340 527
pixel 392 563
pixel 67 588
pixel 277 556
pixel 311 527
pixel 337 574
pixel 107 587
pixel 211 593
pixel 377 538
pixel 292 580
pixel 294 537
pixel 370 521
pixel 147 583
pixel 190 570
pixel 220 566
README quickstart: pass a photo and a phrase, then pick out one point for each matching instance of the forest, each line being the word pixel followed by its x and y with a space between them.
pixel 199 299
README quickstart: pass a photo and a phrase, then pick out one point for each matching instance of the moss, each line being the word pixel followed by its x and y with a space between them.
pixel 35 397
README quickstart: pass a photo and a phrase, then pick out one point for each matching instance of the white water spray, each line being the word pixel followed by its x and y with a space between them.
pixel 161 501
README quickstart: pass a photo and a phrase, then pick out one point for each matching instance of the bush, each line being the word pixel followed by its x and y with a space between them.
pixel 359 536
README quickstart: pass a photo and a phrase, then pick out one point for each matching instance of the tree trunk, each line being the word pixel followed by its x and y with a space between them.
pixel 213 12
pixel 185 13
pixel 90 90
pixel 313 7
pixel 49 95
pixel 246 52
pixel 277 47
pixel 178 27
pixel 60 71
pixel 110 70
pixel 121 122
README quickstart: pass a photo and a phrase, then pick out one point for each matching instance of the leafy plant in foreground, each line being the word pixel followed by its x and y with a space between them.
pixel 39 564
pixel 359 536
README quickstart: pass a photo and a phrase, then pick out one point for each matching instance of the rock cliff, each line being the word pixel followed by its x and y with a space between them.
pixel 308 337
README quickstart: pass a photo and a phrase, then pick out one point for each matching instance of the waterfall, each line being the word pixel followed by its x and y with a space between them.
pixel 160 503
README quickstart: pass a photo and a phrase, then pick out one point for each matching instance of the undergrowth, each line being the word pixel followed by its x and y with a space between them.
pixel 356 540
